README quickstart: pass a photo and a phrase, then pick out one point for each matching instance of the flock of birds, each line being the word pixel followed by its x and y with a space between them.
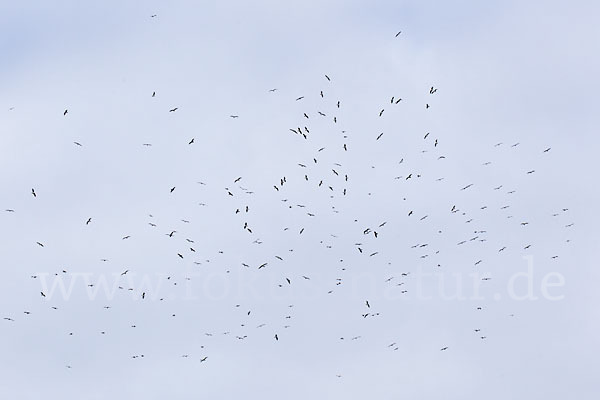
pixel 324 177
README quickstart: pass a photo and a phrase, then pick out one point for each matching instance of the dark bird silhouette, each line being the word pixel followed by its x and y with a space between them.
pixel 153 94
pixel 65 112
pixel 173 109
pixel 172 189
pixel 88 221
pixel 33 193
pixel 191 141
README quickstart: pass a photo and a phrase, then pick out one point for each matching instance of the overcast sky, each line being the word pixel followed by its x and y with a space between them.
pixel 481 281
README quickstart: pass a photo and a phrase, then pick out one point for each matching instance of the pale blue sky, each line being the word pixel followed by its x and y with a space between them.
pixel 506 72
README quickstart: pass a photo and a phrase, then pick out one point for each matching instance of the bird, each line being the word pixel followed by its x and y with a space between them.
pixel 398 34
pixel 42 293
pixel 378 137
pixel 444 348
pixel 65 112
pixel 33 193
pixel 153 94
pixel 78 144
pixel 172 189
pixel 173 109
pixel 191 141
pixel 88 221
